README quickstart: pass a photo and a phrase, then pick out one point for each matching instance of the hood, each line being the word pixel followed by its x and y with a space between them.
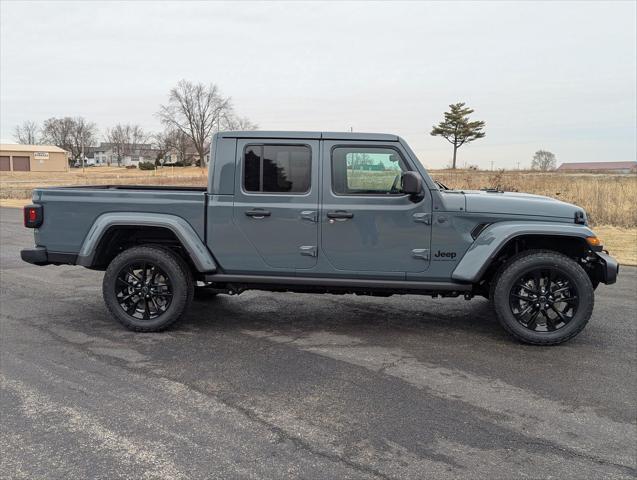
pixel 518 204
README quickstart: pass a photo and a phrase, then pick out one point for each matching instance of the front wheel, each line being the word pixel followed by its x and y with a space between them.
pixel 147 288
pixel 543 297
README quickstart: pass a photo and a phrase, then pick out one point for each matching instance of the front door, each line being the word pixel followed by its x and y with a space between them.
pixel 276 202
pixel 368 226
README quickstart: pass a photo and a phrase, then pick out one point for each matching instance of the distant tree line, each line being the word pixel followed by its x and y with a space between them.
pixel 68 133
pixel 195 110
pixel 192 113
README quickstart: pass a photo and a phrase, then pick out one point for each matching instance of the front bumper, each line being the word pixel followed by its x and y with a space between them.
pixel 608 268
pixel 40 256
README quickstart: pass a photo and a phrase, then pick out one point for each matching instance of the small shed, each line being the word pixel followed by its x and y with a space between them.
pixel 32 158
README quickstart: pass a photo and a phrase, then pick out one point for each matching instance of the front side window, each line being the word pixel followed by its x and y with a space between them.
pixel 366 170
pixel 277 168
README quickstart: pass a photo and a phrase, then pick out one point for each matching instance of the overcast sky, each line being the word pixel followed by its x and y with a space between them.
pixel 557 76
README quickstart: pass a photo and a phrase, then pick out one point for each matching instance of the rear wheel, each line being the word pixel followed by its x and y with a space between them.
pixel 147 288
pixel 543 297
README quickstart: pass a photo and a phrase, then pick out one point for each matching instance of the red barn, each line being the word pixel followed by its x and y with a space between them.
pixel 614 167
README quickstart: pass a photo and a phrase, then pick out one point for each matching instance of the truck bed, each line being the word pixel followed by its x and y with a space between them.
pixel 69 212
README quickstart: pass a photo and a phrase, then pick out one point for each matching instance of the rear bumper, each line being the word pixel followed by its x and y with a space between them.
pixel 40 256
pixel 36 256
pixel 608 268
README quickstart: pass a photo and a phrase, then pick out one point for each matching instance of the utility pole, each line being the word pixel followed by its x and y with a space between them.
pixel 518 165
pixel 82 143
pixel 491 165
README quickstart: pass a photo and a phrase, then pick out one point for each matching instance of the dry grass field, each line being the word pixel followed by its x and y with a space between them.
pixel 18 185
pixel 608 199
pixel 621 242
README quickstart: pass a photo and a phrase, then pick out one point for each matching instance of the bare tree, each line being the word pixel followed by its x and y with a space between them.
pixel 28 133
pixel 173 140
pixel 182 144
pixel 161 143
pixel 83 134
pixel 127 140
pixel 71 134
pixel 138 140
pixel 194 109
pixel 543 160
pixel 58 132
pixel 116 136
pixel 230 121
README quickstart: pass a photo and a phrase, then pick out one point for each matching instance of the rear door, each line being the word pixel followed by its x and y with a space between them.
pixel 276 201
pixel 368 226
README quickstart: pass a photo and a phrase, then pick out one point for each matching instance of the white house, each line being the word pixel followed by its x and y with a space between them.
pixel 130 154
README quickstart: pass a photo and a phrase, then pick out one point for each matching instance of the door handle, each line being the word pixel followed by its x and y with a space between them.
pixel 308 215
pixel 257 213
pixel 340 214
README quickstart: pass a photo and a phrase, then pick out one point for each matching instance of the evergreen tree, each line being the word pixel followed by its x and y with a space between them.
pixel 457 129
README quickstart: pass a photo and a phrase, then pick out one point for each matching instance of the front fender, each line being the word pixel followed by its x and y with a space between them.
pixel 199 254
pixel 493 238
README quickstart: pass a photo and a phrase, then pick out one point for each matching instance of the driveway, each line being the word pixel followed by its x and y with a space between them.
pixel 276 385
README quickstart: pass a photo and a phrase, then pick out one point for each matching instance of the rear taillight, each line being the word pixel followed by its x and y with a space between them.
pixel 33 216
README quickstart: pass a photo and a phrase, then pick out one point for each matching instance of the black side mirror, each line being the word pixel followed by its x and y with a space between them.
pixel 411 183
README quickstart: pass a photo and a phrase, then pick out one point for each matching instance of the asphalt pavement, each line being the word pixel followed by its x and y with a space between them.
pixel 277 385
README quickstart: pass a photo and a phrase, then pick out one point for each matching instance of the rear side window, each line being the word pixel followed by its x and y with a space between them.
pixel 277 168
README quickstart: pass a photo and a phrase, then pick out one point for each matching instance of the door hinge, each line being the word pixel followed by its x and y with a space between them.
pixel 421 253
pixel 308 250
pixel 311 215
pixel 422 218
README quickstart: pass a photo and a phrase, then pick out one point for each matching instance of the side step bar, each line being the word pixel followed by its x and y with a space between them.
pixel 338 282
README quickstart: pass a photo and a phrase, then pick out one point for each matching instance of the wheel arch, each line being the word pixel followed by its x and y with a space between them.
pixel 502 240
pixel 111 232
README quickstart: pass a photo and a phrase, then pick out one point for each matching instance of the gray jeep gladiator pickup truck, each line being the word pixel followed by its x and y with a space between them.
pixel 322 212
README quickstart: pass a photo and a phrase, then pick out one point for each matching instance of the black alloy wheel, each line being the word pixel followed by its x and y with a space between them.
pixel 544 299
pixel 143 290
pixel 147 288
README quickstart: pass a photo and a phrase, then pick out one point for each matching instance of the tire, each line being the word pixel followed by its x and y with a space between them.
pixel 150 301
pixel 185 266
pixel 564 306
